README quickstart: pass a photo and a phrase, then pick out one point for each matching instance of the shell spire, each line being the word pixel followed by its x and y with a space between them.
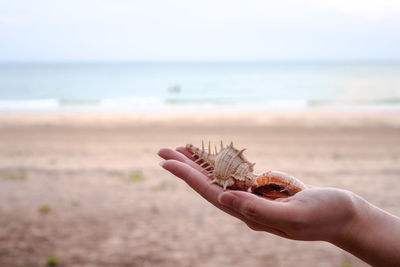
pixel 229 168
pixel 201 155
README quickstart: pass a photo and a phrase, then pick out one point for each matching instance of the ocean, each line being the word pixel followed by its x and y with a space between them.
pixel 162 86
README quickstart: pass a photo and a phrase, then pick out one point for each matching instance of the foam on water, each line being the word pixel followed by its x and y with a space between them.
pixel 199 86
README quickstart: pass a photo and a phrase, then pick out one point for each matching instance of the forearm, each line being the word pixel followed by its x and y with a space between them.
pixel 373 235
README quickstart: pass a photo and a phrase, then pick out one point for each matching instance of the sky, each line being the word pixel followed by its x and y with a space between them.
pixel 206 30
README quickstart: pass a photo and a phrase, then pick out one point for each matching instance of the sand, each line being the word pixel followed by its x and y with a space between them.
pixel 86 188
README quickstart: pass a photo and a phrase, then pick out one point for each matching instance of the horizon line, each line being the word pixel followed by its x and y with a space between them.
pixel 113 61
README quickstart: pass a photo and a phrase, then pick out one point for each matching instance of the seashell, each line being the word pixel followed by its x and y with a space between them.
pixel 230 169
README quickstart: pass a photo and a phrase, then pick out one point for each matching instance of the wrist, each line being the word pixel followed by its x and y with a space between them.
pixel 354 223
pixel 370 234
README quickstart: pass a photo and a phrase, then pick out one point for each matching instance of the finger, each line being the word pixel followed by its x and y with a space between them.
pixel 201 184
pixel 198 161
pixel 195 179
pixel 167 153
pixel 190 156
pixel 185 152
pixel 260 210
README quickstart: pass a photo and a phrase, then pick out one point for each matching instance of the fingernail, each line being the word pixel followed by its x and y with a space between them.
pixel 162 163
pixel 226 199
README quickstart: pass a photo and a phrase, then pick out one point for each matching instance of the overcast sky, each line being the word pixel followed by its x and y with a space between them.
pixel 84 30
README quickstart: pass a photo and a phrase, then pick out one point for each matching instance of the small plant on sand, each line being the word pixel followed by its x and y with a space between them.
pixel 13 175
pixel 136 176
pixel 52 261
pixel 268 256
pixel 44 209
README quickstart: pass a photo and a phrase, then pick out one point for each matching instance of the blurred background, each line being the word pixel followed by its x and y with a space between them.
pixel 146 55
pixel 90 90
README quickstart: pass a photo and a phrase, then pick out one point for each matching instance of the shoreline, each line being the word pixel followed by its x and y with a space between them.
pixel 248 107
pixel 288 118
pixel 176 104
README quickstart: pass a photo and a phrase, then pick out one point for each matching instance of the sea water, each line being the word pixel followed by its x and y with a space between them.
pixel 148 86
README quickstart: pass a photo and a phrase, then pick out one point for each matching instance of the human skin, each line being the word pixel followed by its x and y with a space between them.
pixel 327 214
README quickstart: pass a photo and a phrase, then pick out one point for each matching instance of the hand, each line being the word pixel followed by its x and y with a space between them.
pixel 312 214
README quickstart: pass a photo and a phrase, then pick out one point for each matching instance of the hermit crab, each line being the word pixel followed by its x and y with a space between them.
pixel 230 169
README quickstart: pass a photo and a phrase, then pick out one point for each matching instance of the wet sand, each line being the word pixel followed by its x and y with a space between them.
pixel 86 188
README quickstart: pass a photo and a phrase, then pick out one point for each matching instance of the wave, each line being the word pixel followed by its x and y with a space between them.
pixel 29 104
pixel 185 103
pixel 383 101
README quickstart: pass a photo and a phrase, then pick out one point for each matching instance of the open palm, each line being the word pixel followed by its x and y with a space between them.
pixel 312 214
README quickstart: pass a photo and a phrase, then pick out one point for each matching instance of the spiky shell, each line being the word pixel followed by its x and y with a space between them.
pixel 230 169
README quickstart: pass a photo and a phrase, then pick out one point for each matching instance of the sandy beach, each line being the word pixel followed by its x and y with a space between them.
pixel 85 189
